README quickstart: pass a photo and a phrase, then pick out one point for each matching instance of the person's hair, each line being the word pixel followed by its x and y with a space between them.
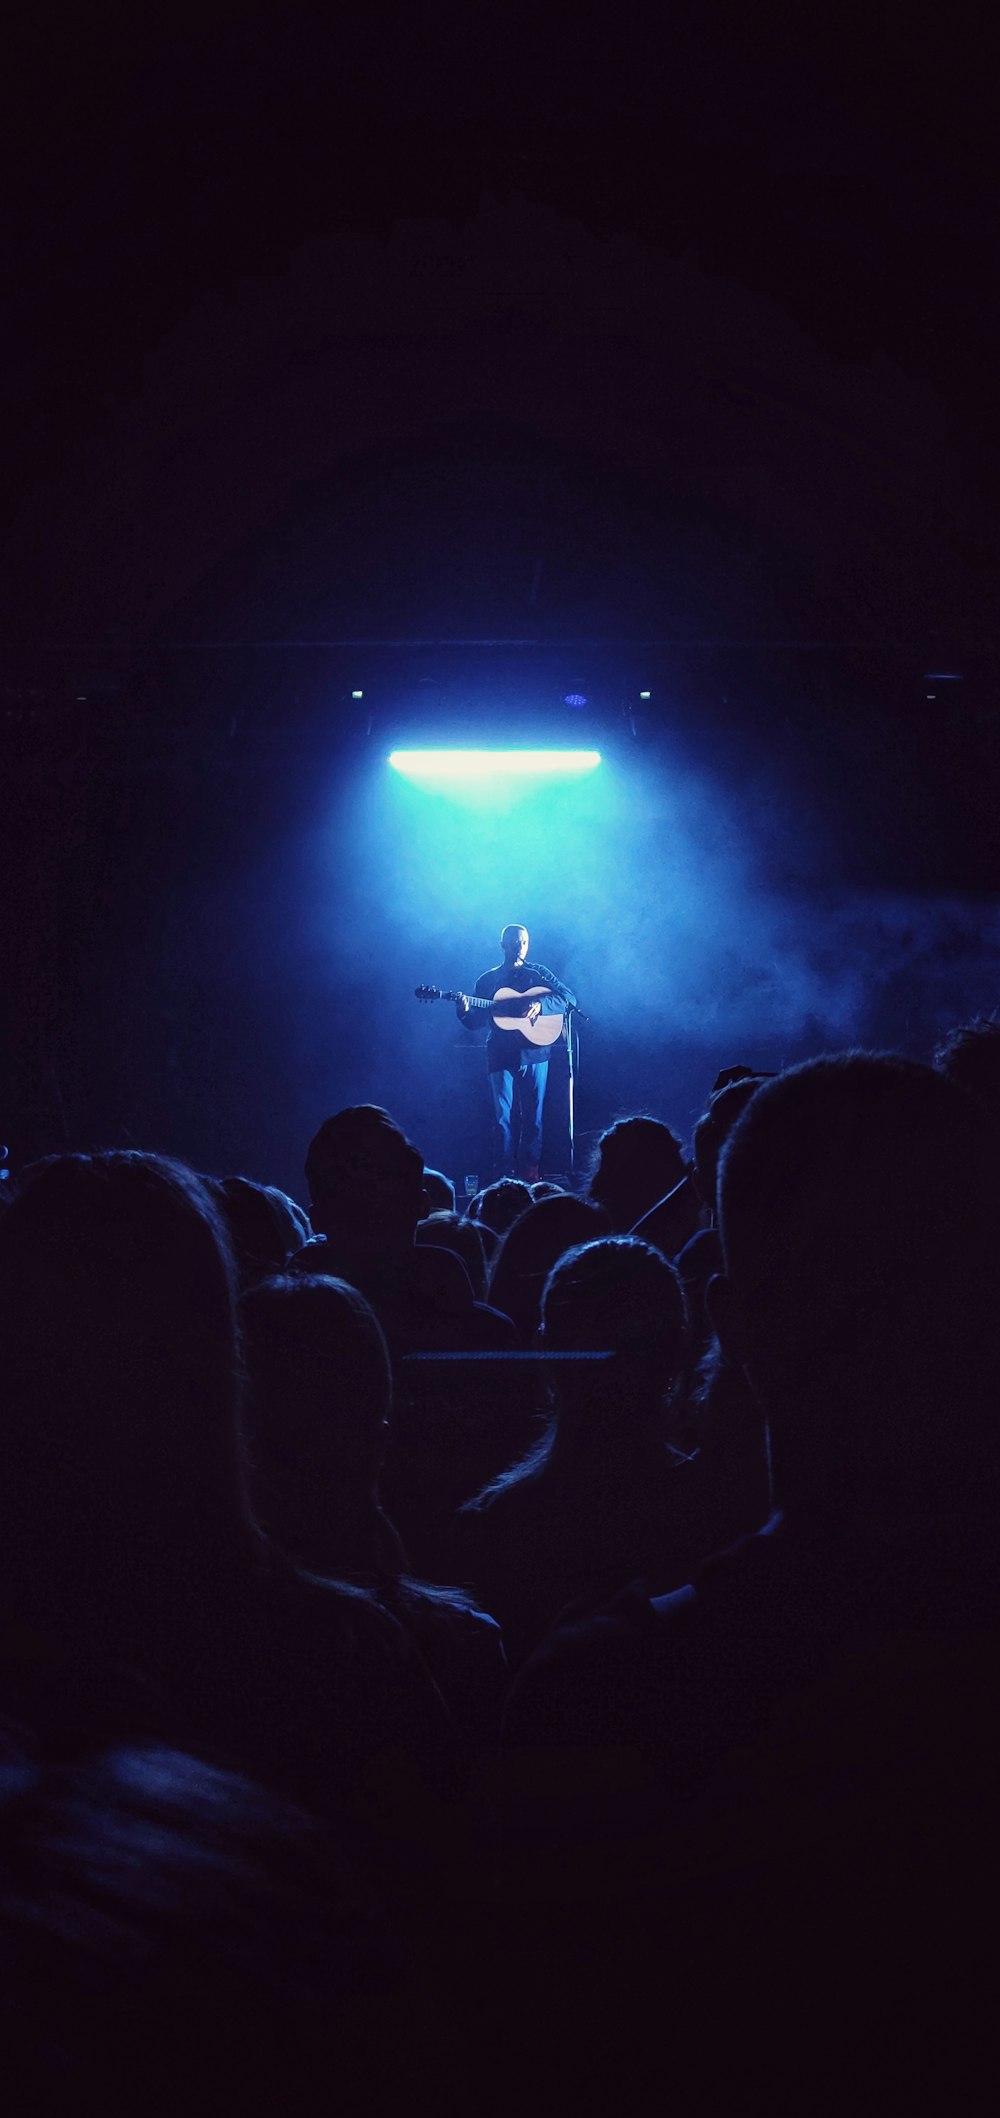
pixel 859 1203
pixel 319 1407
pixel 451 1231
pixel 165 1921
pixel 617 1295
pixel 265 1226
pixel 319 1382
pixel 740 1072
pixel 639 1160
pixel 360 1163
pixel 619 1301
pixel 713 1129
pixel 529 1249
pixel 439 1192
pixel 121 1374
pixel 500 1204
pixel 970 1056
pixel 487 1235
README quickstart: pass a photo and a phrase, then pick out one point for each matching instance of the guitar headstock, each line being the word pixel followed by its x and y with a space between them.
pixel 427 992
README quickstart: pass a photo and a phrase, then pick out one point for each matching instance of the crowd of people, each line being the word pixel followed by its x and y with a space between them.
pixel 464 1654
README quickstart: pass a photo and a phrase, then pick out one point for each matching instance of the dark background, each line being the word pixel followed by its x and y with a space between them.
pixel 667 352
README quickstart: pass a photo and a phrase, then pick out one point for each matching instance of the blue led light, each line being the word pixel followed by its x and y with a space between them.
pixel 574 698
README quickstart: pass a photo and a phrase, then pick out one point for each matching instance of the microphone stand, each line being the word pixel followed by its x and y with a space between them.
pixel 571 1083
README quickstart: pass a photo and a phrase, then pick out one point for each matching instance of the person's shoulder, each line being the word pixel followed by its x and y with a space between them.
pixel 622 1616
pixel 450 1608
pixel 701 1255
pixel 593 1634
pixel 333 1624
pixel 498 1501
pixel 316 1255
pixel 740 1585
pixel 493 1330
pixel 562 1689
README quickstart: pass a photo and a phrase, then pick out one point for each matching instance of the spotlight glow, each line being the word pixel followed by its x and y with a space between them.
pixel 475 767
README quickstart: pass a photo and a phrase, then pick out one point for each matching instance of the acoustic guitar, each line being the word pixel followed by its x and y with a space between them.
pixel 509 1011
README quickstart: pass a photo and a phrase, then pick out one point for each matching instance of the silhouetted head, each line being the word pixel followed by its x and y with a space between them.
pixel 713 1130
pixel 970 1056
pixel 639 1160
pixel 859 1204
pixel 728 1074
pixel 265 1226
pixel 619 1296
pixel 451 1231
pixel 119 1451
pixel 439 1193
pixel 514 943
pixel 364 1176
pixel 532 1246
pixel 500 1204
pixel 319 1399
pixel 487 1235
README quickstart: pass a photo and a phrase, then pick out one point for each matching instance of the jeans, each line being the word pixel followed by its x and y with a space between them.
pixel 528 1086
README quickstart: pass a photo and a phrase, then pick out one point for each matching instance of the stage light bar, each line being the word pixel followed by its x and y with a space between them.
pixel 465 767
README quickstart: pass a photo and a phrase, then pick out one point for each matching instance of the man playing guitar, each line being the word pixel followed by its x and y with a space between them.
pixel 517 1066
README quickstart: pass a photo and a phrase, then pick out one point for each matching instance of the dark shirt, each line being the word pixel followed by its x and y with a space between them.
pixel 506 1050
pixel 578 1527
pixel 687 1678
pixel 797 1756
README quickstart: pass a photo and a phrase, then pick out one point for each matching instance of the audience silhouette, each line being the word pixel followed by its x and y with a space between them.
pixel 600 1497
pixel 712 1454
pixel 639 1160
pixel 452 1231
pixel 138 1593
pixel 318 1423
pixel 264 1225
pixel 366 1190
pixel 533 1244
pixel 970 1056
pixel 858 1215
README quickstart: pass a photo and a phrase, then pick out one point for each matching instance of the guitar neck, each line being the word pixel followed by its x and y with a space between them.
pixel 472 1000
